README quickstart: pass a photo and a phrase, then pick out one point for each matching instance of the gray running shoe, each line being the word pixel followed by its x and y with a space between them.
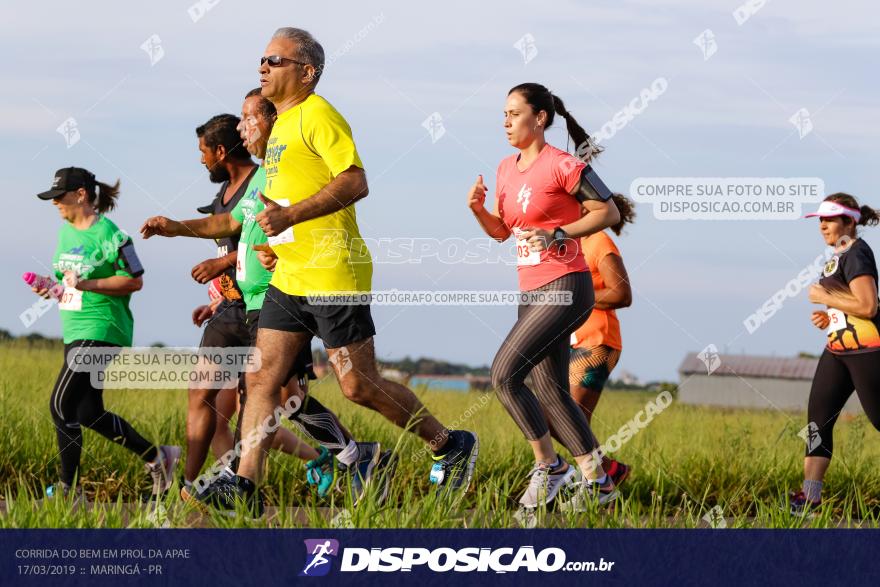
pixel 583 494
pixel 546 482
pixel 162 469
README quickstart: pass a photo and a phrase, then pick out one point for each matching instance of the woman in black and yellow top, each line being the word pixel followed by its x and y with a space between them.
pixel 848 289
pixel 99 269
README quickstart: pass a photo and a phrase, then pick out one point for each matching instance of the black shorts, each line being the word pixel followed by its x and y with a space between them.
pixel 302 365
pixel 227 327
pixel 336 324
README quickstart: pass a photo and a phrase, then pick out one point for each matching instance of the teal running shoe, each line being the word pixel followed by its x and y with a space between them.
pixel 322 472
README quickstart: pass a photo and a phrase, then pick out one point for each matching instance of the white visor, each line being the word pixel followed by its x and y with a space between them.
pixel 829 208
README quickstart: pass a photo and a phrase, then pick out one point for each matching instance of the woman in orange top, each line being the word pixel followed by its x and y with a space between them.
pixel 596 345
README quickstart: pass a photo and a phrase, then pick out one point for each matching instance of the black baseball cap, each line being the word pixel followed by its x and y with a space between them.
pixel 67 180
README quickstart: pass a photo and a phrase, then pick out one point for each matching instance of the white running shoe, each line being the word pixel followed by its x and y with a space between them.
pixel 546 482
pixel 162 468
pixel 583 493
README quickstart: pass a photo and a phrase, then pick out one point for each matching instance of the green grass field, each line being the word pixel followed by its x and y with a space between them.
pixel 687 461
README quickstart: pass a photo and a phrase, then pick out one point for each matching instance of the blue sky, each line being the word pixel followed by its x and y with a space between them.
pixel 728 116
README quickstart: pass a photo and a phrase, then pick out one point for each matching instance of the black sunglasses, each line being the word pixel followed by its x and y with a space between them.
pixel 277 60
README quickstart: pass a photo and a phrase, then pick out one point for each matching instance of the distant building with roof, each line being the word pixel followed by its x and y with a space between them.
pixel 749 381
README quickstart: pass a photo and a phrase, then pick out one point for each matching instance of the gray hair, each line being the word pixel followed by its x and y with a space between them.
pixel 308 49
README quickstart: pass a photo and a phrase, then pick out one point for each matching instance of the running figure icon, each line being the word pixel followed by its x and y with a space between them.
pixel 319 555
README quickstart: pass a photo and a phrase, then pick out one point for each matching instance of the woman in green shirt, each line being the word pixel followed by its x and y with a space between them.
pixel 99 269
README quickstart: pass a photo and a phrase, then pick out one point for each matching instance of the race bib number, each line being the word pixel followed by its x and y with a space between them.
pixel 241 263
pixel 214 292
pixel 836 320
pixel 524 255
pixel 71 300
pixel 287 235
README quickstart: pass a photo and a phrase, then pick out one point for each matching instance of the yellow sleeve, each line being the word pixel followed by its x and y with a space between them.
pixel 332 141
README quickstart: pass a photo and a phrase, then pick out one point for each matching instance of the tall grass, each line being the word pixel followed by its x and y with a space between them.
pixel 688 460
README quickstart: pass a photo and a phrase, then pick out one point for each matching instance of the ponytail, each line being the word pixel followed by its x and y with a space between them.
pixel 584 146
pixel 106 196
pixel 869 217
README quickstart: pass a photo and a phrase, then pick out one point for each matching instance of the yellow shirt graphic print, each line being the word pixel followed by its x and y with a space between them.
pixel 309 146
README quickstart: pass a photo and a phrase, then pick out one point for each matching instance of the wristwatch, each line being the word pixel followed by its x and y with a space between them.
pixel 559 237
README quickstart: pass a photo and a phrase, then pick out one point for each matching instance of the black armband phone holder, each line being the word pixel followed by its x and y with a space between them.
pixel 592 187
pixel 127 260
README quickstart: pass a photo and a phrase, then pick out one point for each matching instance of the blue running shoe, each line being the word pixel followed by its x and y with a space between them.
pixel 360 472
pixel 454 470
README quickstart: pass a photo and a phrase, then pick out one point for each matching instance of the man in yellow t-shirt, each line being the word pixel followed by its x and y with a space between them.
pixel 313 178
pixel 310 146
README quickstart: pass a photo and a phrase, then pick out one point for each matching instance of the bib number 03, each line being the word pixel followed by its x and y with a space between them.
pixel 524 255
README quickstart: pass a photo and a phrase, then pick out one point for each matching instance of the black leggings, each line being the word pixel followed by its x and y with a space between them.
pixel 76 403
pixel 312 418
pixel 833 383
pixel 539 344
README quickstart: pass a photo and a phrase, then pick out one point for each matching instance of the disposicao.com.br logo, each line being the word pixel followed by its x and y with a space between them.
pixel 443 560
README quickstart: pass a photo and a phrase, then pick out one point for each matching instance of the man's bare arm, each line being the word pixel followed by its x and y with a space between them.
pixel 214 226
pixel 346 188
